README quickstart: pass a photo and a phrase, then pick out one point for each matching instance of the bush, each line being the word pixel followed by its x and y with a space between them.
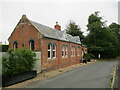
pixel 91 55
pixel 18 61
pixel 88 56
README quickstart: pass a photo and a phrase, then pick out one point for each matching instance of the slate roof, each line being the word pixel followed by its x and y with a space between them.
pixel 54 33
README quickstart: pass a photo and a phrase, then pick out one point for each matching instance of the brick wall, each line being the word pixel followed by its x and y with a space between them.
pixel 23 33
pixel 59 61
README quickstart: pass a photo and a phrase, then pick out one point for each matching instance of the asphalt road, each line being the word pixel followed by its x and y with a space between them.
pixel 96 75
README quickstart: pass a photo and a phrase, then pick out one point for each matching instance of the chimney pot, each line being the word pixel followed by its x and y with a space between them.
pixel 24 16
pixel 57 26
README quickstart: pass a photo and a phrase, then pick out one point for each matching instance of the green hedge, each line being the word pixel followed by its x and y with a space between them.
pixel 18 61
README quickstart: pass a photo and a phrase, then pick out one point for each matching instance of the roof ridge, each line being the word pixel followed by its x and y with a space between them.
pixel 43 25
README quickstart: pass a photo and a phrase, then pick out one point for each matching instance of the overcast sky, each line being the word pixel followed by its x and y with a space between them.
pixel 47 12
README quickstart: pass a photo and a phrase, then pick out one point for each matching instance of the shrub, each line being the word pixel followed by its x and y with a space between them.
pixel 91 55
pixel 18 61
pixel 88 56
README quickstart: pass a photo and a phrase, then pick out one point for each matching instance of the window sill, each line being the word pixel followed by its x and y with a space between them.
pixel 63 57
pixel 51 59
pixel 73 56
pixel 66 57
pixel 54 58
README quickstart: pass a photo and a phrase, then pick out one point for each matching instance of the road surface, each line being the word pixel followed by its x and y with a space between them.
pixel 96 75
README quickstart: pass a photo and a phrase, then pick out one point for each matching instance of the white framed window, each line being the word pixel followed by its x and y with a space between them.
pixel 66 51
pixel 49 51
pixel 72 51
pixel 78 51
pixel 31 45
pixel 63 50
pixel 15 45
pixel 54 51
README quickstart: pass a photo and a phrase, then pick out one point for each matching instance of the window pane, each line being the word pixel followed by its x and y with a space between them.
pixel 65 53
pixel 48 54
pixel 66 50
pixel 62 53
pixel 15 45
pixel 63 50
pixel 53 53
pixel 53 46
pixel 49 46
pixel 31 45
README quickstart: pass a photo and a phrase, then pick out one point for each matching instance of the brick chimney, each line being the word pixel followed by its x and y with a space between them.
pixel 24 16
pixel 57 26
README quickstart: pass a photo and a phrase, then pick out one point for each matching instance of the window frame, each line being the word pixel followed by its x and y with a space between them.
pixel 54 51
pixel 49 50
pixel 63 51
pixel 78 51
pixel 66 51
pixel 72 51
pixel 31 42
pixel 15 45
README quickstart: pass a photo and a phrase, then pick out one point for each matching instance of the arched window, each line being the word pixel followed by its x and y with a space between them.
pixel 31 44
pixel 73 51
pixel 15 45
pixel 63 50
pixel 54 50
pixel 49 51
pixel 78 51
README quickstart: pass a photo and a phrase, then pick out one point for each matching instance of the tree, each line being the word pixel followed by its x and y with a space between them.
pixel 100 40
pixel 116 30
pixel 74 30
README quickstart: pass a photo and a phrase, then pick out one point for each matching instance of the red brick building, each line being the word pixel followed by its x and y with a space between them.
pixel 58 49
